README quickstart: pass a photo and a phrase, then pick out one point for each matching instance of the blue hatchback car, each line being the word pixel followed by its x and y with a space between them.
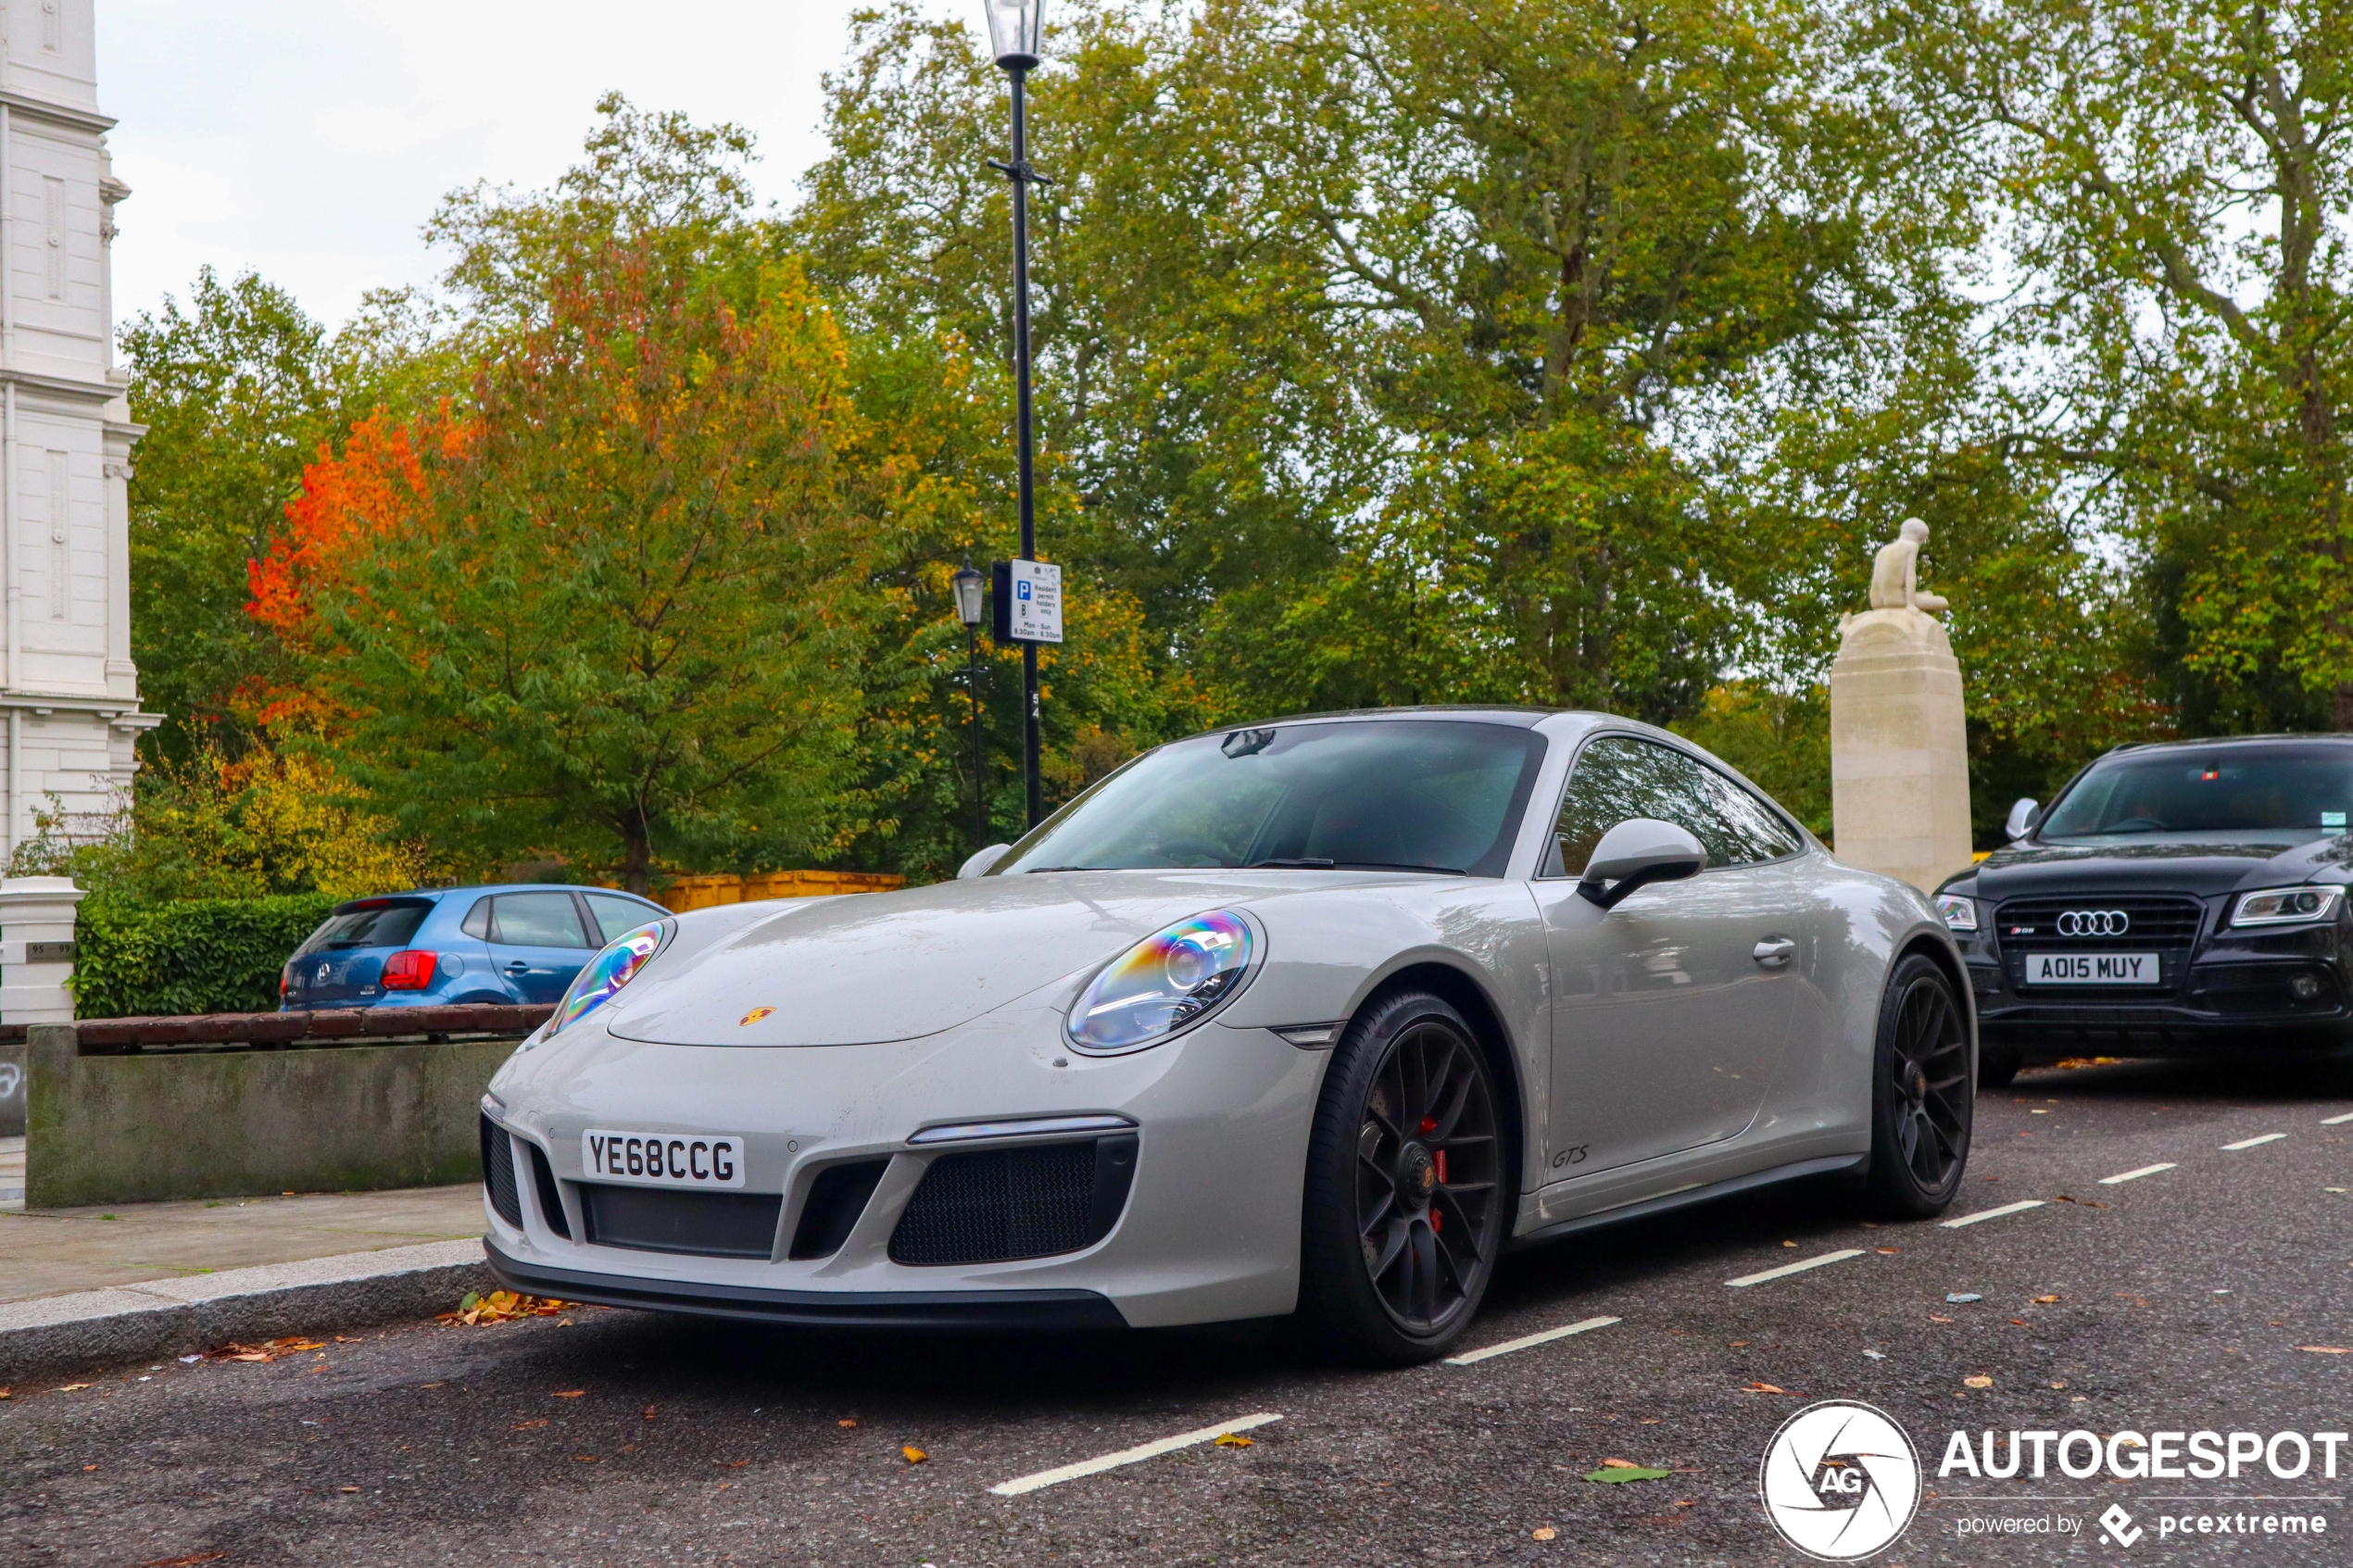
pixel 512 944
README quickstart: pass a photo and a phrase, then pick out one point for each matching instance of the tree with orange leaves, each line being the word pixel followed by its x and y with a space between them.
pixel 620 610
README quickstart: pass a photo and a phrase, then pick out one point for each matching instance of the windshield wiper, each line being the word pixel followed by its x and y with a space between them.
pixel 1317 863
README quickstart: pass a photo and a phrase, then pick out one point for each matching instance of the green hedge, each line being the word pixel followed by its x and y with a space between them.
pixel 195 955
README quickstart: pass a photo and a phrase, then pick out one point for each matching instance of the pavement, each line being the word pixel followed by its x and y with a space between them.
pixel 2208 1291
pixel 53 1252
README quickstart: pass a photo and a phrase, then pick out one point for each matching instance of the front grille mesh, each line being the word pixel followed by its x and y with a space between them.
pixel 994 1205
pixel 498 1173
pixel 2157 921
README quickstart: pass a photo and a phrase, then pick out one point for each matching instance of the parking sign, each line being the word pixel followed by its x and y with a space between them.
pixel 1030 601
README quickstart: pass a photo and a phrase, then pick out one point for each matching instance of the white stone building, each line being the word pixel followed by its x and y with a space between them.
pixel 68 687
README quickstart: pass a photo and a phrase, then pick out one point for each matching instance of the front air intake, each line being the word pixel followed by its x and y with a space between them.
pixel 835 1199
pixel 498 1173
pixel 551 1203
pixel 992 1206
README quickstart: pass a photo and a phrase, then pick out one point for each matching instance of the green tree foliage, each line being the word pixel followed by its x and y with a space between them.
pixel 237 389
pixel 2179 196
pixel 625 619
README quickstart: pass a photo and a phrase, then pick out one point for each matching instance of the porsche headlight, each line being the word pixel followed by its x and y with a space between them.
pixel 606 974
pixel 2285 906
pixel 1169 981
pixel 1961 913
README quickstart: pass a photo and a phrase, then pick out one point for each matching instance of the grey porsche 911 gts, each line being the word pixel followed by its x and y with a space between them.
pixel 1314 1016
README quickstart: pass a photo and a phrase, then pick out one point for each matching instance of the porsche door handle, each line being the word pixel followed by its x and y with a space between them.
pixel 1774 952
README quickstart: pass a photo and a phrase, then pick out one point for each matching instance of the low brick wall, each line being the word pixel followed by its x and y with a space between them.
pixel 126 1110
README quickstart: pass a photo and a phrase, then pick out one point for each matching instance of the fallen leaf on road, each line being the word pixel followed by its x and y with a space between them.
pixel 188 1562
pixel 1739 1345
pixel 1789 1244
pixel 1620 1471
pixel 502 1305
pixel 429 1386
pixel 725 1485
pixel 914 1455
pixel 88 1467
pixel 2044 1301
pixel 2328 1350
pixel 73 1387
pixel 527 1425
pixel 1227 1441
pixel 567 1393
pixel 2061 1384
pixel 584 1459
pixel 1978 1380
pixel 1890 1251
pixel 649 1412
pixel 6 1392
pixel 847 1421
pixel 269 1349
pixel 1543 1532
pixel 346 1488
pixel 1934 1317
pixel 731 1464
pixel 1768 1388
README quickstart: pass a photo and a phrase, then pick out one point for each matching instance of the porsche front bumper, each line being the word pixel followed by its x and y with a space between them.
pixel 1207 1225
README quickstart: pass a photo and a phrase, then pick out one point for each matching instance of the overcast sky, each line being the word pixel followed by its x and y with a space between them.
pixel 309 140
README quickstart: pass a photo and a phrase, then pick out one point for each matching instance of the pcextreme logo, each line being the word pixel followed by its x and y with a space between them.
pixel 1840 1481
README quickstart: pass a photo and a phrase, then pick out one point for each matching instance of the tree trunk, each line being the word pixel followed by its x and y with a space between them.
pixel 637 858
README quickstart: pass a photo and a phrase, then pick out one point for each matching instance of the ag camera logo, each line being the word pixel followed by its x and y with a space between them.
pixel 1840 1481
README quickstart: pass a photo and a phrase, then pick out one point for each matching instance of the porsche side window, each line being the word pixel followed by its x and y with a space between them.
pixel 1618 777
pixel 1750 830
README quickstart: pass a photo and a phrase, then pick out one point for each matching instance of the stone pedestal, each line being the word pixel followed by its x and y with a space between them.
pixel 1899 751
pixel 36 949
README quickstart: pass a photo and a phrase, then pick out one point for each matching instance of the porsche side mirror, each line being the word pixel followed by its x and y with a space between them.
pixel 979 861
pixel 1636 853
pixel 2021 822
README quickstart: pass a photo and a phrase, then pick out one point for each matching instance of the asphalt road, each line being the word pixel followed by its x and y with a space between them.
pixel 2182 1299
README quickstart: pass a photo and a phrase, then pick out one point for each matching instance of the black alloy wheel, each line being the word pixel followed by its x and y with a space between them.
pixel 1406 1193
pixel 1923 1093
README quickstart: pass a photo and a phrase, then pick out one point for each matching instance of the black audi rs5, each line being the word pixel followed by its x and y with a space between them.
pixel 2175 900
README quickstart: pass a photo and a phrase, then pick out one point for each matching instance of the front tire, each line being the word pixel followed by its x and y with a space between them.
pixel 1406 1186
pixel 1923 1095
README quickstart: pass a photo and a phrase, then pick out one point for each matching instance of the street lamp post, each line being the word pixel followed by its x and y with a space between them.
pixel 967 586
pixel 1014 29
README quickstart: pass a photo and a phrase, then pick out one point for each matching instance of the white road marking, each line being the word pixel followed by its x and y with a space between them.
pixel 1788 1269
pixel 1141 1451
pixel 2135 1175
pixel 2250 1143
pixel 1528 1342
pixel 2337 1121
pixel 2018 1208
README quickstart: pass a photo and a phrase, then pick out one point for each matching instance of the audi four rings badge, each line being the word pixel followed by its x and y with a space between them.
pixel 2095 923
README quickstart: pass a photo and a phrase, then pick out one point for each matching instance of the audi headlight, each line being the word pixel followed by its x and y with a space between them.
pixel 1961 913
pixel 2286 906
pixel 604 975
pixel 1168 982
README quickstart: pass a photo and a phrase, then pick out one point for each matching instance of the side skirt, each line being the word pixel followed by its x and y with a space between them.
pixel 1666 1202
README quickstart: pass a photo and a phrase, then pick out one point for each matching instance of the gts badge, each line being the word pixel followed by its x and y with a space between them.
pixel 1574 1155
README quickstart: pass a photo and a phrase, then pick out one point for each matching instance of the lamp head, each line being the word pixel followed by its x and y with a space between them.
pixel 1016 30
pixel 967 583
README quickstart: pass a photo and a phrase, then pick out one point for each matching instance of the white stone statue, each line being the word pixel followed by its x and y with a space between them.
pixel 1899 738
pixel 1895 573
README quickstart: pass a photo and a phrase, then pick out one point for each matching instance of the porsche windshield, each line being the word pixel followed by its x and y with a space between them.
pixel 1386 795
pixel 2302 790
